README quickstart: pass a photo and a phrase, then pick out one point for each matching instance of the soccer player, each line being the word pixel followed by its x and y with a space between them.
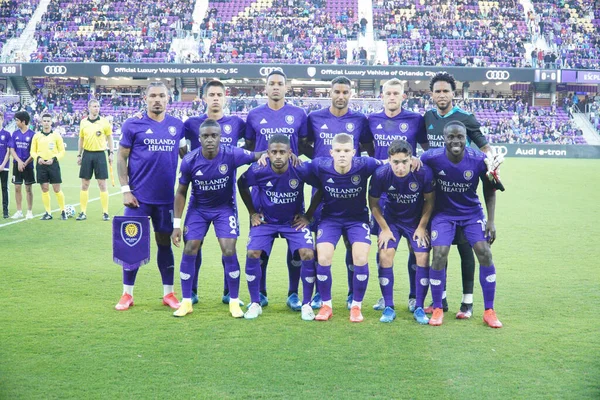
pixel 262 122
pixel 22 163
pixel 211 171
pixel 47 147
pixel 457 170
pixel 391 124
pixel 343 178
pixel 408 207
pixel 232 130
pixel 95 132
pixel 147 167
pixel 280 213
pixel 442 87
pixel 5 145
pixel 323 125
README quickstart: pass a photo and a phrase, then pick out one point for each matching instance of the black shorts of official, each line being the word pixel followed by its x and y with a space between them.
pixel 48 173
pixel 26 177
pixel 93 163
pixel 459 236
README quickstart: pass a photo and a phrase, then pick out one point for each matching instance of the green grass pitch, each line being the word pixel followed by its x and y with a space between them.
pixel 61 338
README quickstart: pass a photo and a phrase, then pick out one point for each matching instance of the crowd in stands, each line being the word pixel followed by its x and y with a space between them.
pixel 14 15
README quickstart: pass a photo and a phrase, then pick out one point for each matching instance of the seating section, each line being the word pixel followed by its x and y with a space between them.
pixel 14 16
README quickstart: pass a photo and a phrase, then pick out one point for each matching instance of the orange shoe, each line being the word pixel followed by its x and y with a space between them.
pixel 325 313
pixel 437 318
pixel 356 315
pixel 171 301
pixel 125 302
pixel 489 317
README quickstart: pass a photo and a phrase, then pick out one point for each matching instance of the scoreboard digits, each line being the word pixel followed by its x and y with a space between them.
pixel 10 69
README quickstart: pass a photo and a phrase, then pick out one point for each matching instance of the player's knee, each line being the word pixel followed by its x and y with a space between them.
pixel 229 251
pixel 306 254
pixel 484 253
pixel 191 247
pixel 325 259
pixel 386 259
pixel 253 253
pixel 439 261
pixel 360 259
pixel 162 239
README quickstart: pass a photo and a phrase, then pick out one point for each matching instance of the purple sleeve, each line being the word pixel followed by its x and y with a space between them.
pixel 127 137
pixel 242 156
pixel 303 131
pixel 421 132
pixel 365 134
pixel 429 182
pixel 188 132
pixel 306 172
pixel 249 133
pixel 372 164
pixel 241 130
pixel 248 178
pixel 426 158
pixel 185 173
pixel 310 132
pixel 11 142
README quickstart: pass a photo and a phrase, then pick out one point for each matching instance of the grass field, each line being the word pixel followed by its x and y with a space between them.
pixel 61 337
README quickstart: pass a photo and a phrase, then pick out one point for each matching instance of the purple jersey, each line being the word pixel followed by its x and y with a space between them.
pixel 154 148
pixel 263 122
pixel 323 126
pixel 232 129
pixel 213 180
pixel 456 184
pixel 21 142
pixel 407 125
pixel 344 196
pixel 5 144
pixel 404 196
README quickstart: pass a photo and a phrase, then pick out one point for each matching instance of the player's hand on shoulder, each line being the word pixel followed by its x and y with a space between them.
pixel 415 164
pixel 257 219
pixel 421 236
pixel 490 231
pixel 129 200
pixel 262 161
pixel 384 238
pixel 176 236
pixel 300 222
pixel 296 161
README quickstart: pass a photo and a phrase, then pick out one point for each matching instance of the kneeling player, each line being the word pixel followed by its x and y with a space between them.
pixel 457 171
pixel 408 206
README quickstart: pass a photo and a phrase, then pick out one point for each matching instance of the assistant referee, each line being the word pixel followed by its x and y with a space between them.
pixel 95 132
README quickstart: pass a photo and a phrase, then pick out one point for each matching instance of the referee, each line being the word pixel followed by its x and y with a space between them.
pixel 47 148
pixel 94 134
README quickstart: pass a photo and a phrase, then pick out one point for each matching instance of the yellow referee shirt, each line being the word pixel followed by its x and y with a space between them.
pixel 94 133
pixel 47 146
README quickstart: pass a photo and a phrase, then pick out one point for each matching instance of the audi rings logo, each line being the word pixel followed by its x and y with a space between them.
pixel 500 150
pixel 55 70
pixel 497 75
pixel 265 71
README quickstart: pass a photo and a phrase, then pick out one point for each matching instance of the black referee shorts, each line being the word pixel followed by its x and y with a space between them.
pixel 49 173
pixel 93 163
pixel 26 177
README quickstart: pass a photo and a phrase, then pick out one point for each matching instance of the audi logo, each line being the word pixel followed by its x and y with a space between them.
pixel 264 71
pixel 497 75
pixel 500 150
pixel 55 70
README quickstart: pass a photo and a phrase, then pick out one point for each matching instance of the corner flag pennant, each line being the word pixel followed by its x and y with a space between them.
pixel 131 241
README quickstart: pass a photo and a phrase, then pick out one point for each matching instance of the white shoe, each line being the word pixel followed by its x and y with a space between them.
pixel 29 215
pixel 17 215
pixel 253 311
pixel 380 305
pixel 307 313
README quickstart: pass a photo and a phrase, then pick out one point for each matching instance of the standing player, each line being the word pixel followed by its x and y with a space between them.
pixel 408 206
pixel 442 87
pixel 22 163
pixel 95 132
pixel 280 213
pixel 262 122
pixel 323 125
pixel 147 166
pixel 394 123
pixel 211 171
pixel 5 145
pixel 47 148
pixel 457 170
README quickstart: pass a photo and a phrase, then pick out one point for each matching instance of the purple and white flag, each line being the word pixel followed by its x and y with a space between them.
pixel 131 241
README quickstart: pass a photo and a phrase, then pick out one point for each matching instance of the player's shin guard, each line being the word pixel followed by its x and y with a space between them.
pixel 467 265
pixel 84 196
pixel 166 264
pixel 197 264
pixel 46 201
pixel 186 273
pixel 324 281
pixel 308 274
pixel 412 271
pixel 103 202
pixel 129 276
pixel 264 262
pixel 253 276
pixel 487 279
pixel 361 279
pixel 350 270
pixel 232 273
pixel 294 264
pixel 386 283
pixel 422 285
pixel 437 279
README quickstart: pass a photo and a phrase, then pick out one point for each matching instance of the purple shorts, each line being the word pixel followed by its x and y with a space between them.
pixel 330 231
pixel 261 237
pixel 161 215
pixel 443 230
pixel 400 230
pixel 198 221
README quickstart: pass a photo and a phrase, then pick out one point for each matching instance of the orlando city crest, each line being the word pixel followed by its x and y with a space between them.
pixel 403 127
pixel 355 179
pixel 223 168
pixel 414 186
pixel 349 127
pixel 131 232
pixel 289 119
pixel 227 129
pixel 172 130
pixel 294 183
pixel 319 233
pixel 434 235
pixel 468 175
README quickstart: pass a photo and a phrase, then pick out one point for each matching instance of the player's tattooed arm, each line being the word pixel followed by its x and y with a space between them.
pixel 369 148
pixel 249 144
pixel 421 235
pixel 180 196
pixel 424 146
pixel 489 194
pixel 129 199
pixel 307 148
pixel 385 234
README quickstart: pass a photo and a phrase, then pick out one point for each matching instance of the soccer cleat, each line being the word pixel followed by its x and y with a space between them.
pixel 388 315
pixel 420 316
pixel 184 309
pixel 264 301
pixel 325 313
pixel 380 305
pixel 63 215
pixel 429 309
pixel 355 314
pixel 171 301
pixel 194 298
pixel 316 301
pixel 437 318
pixel 225 299
pixel 29 215
pixel 46 217
pixel 81 217
pixel 293 302
pixel 489 317
pixel 125 302
pixel 253 311
pixel 412 304
pixel 6 216
pixel 234 308
pixel 17 215
pixel 466 311
pixel 307 313
pixel 349 301
pixel 105 217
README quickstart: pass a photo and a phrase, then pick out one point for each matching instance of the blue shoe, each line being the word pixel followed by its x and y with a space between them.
pixel 264 301
pixel 380 305
pixel 294 302
pixel 412 304
pixel 388 315
pixel 194 298
pixel 316 302
pixel 420 316
pixel 225 300
pixel 349 301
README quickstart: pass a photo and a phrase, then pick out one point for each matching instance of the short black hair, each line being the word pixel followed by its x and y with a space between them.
pixel 443 77
pixel 277 72
pixel 157 84
pixel 23 116
pixel 341 80
pixel 279 138
pixel 46 115
pixel 213 83
pixel 400 146
pixel 454 123
pixel 210 123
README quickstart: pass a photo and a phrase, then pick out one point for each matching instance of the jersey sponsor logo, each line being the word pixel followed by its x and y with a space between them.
pixel 350 126
pixel 172 130
pixel 442 173
pixel 294 183
pixel 263 121
pixel 131 232
pixel 289 119
pixel 330 180
pixel 223 168
pixel 355 179
pixel 324 126
pixel 497 75
pixel 414 186
pixel 227 129
pixel 149 131
pixel 468 174
pixel 403 127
